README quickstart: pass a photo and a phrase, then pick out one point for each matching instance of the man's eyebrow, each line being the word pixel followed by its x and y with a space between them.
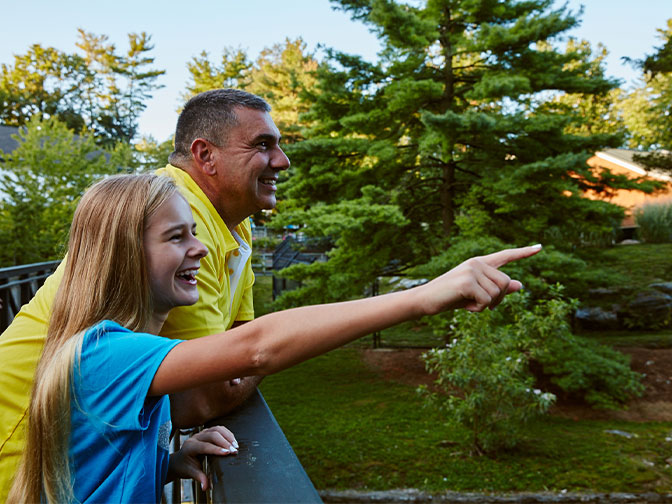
pixel 267 137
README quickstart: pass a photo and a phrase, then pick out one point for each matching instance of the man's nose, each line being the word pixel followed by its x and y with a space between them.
pixel 280 161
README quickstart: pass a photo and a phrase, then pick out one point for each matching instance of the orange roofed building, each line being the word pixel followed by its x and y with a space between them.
pixel 620 162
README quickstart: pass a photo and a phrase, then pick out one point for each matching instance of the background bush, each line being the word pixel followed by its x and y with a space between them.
pixel 485 373
pixel 655 222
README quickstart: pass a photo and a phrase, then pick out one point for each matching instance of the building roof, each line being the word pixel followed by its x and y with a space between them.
pixel 625 158
pixel 7 143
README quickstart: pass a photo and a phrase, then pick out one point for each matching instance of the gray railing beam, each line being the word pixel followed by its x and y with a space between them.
pixel 266 469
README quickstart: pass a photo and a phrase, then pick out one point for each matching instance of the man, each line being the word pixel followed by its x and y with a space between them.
pixel 226 162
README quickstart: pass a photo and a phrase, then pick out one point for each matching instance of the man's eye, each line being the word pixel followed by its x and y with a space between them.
pixel 175 237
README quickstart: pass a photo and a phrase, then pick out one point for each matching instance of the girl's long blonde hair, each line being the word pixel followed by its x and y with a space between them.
pixel 105 278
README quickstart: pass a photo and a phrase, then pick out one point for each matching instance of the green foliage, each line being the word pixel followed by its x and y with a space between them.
pixel 282 75
pixel 600 110
pixel 371 216
pixel 484 383
pixel 41 182
pixel 460 124
pixel 578 366
pixel 646 108
pixel 655 222
pixel 100 90
pixel 539 273
pixel 485 377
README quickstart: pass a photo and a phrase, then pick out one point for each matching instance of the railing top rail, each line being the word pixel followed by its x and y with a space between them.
pixel 26 269
pixel 22 281
pixel 265 468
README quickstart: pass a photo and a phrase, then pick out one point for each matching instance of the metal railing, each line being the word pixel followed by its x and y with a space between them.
pixel 265 469
pixel 18 285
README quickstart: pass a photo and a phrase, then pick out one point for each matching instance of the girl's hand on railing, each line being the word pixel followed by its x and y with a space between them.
pixel 186 462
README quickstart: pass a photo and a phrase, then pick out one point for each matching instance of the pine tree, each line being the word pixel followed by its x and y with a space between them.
pixel 455 134
pixel 647 109
pixel 99 90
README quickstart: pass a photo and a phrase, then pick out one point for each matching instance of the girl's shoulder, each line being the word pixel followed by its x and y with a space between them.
pixel 104 329
pixel 114 334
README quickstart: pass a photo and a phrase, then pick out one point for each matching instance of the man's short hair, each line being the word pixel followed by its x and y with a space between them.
pixel 211 115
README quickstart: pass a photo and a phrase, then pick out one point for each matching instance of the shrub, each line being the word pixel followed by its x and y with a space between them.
pixel 484 378
pixel 655 222
pixel 487 388
pixel 580 367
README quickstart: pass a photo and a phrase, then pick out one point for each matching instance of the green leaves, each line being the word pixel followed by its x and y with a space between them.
pixel 484 374
pixel 484 382
pixel 646 110
pixel 42 181
pixel 101 90
pixel 283 74
pixel 352 261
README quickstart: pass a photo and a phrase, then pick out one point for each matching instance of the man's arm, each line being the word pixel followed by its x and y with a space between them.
pixel 199 405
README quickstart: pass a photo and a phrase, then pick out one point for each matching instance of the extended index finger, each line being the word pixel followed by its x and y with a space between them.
pixel 498 259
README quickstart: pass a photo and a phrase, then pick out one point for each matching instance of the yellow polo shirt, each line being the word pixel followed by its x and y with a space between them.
pixel 216 310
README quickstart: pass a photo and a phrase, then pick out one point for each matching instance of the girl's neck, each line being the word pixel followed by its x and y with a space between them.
pixel 156 322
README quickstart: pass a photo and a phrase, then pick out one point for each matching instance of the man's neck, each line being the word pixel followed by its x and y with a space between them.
pixel 209 190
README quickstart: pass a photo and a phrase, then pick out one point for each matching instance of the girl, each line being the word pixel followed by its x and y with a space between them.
pixel 99 417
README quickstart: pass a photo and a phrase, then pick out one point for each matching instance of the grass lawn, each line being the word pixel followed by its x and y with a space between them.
pixel 352 429
pixel 640 264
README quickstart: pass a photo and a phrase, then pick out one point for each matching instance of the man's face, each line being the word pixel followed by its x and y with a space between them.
pixel 248 166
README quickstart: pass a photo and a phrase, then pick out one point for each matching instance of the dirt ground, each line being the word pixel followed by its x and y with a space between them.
pixel 405 366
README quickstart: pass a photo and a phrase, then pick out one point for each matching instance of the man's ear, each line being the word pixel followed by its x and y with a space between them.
pixel 203 154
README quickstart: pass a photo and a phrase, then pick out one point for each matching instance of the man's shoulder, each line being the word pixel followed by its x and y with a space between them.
pixel 206 217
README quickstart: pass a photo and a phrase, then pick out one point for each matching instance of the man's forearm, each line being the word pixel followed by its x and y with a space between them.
pixel 197 406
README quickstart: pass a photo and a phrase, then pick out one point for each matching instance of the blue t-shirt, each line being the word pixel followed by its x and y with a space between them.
pixel 119 437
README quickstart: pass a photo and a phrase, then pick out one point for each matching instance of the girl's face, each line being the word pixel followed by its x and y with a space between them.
pixel 173 255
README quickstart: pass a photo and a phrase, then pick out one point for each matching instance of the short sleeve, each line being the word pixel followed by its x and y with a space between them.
pixel 246 311
pixel 114 374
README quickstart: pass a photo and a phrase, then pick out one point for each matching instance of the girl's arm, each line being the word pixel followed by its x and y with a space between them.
pixel 279 340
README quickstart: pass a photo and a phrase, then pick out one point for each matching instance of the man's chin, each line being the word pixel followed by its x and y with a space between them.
pixel 268 204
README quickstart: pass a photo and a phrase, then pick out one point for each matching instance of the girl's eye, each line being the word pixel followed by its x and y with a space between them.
pixel 175 237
